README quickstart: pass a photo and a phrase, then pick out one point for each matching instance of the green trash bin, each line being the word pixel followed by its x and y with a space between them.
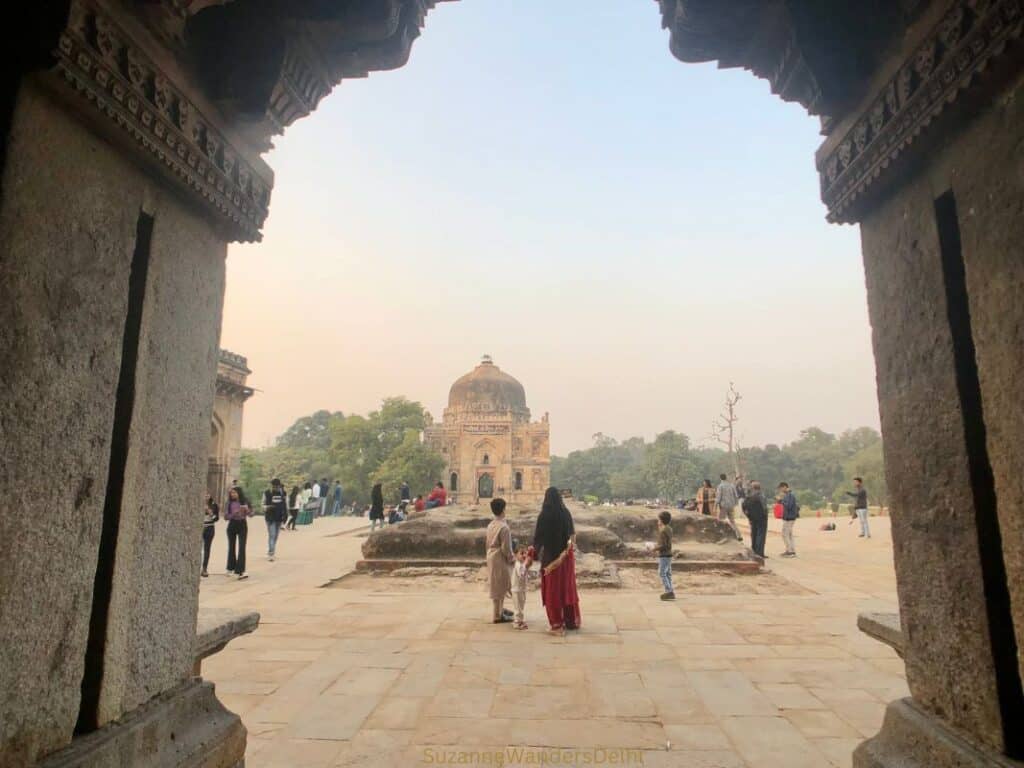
pixel 306 513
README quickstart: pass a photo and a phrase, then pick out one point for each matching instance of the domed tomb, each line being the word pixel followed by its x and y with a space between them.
pixel 491 447
pixel 487 387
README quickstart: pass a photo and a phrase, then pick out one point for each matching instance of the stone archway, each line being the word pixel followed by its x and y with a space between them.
pixel 158 112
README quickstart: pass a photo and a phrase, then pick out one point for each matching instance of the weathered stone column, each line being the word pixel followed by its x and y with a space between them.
pixel 930 165
pixel 121 189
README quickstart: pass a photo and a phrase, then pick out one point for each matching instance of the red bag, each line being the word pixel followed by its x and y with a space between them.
pixel 778 511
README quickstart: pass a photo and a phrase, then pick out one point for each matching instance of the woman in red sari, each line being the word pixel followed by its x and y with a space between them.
pixel 553 543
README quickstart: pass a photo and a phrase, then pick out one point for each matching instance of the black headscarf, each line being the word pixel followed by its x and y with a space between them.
pixel 554 527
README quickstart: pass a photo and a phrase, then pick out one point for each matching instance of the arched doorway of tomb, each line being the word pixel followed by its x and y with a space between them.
pixel 485 486
pixel 453 482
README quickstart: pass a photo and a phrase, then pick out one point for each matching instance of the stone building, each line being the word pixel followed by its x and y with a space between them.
pixel 131 135
pixel 226 423
pixel 490 445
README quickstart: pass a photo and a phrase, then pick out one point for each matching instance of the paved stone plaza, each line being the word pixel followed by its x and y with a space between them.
pixel 390 673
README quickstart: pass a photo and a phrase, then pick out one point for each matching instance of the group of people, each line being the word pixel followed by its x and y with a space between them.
pixel 397 513
pixel 722 501
pixel 509 563
pixel 236 512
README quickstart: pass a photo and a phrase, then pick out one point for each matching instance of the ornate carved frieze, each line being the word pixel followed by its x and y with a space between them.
pixel 116 78
pixel 298 91
pixel 963 44
pixel 485 429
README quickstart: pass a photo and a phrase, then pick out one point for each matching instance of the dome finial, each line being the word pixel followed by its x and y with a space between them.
pixel 486 360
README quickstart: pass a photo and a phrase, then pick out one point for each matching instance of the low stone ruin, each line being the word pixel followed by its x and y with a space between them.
pixel 607 539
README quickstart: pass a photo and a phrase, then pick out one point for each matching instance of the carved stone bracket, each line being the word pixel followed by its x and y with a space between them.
pixel 103 65
pixel 963 44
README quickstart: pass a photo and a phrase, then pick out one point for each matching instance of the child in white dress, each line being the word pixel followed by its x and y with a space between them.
pixel 520 581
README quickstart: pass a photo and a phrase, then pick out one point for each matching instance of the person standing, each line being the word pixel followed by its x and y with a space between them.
pixel 664 552
pixel 325 491
pixel 499 561
pixel 211 514
pixel 705 498
pixel 860 506
pixel 756 511
pixel 376 507
pixel 741 490
pixel 790 513
pixel 275 512
pixel 725 501
pixel 520 582
pixel 554 540
pixel 237 512
pixel 404 496
pixel 336 509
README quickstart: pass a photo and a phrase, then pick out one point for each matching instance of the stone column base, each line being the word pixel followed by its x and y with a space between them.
pixel 912 738
pixel 186 727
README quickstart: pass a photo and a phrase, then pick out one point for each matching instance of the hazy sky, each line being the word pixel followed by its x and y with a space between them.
pixel 543 182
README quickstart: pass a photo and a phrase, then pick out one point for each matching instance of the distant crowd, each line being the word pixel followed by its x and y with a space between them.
pixel 285 510
pixel 723 501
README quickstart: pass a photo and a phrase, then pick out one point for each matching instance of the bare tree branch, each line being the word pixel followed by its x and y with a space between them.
pixel 723 428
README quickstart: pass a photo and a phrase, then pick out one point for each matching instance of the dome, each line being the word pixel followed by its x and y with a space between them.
pixel 487 387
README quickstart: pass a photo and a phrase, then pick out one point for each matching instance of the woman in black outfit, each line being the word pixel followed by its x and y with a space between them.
pixel 293 508
pixel 376 507
pixel 236 512
pixel 210 516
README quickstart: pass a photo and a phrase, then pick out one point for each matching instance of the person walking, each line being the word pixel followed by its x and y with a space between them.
pixel 336 509
pixel 376 507
pixel 275 512
pixel 790 513
pixel 756 511
pixel 211 514
pixel 663 549
pixel 293 508
pixel 860 506
pixel 237 512
pixel 726 501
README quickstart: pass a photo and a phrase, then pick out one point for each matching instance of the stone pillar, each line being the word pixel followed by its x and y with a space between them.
pixel 120 194
pixel 944 270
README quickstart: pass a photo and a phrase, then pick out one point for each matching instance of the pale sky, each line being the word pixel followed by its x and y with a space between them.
pixel 543 182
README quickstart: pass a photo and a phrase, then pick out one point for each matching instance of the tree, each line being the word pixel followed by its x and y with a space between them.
pixel 723 428
pixel 252 475
pixel 313 431
pixel 413 462
pixel 670 467
pixel 360 445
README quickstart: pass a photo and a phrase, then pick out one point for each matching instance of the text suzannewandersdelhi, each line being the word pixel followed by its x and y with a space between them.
pixel 531 756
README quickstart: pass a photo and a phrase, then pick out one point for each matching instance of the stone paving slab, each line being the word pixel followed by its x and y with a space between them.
pixel 380 676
